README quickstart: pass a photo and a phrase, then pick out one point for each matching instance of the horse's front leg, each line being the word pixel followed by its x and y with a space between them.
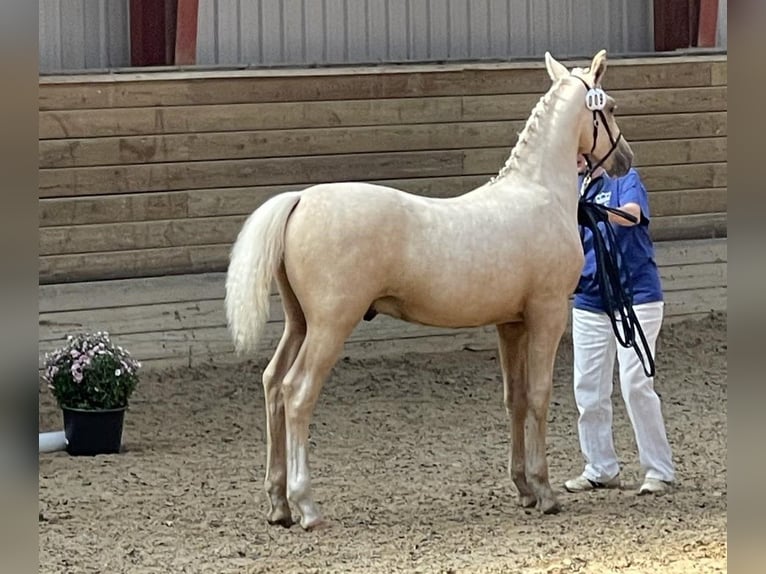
pixel 546 323
pixel 512 353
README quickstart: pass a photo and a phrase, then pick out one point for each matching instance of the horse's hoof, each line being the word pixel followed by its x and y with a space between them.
pixel 527 500
pixel 286 522
pixel 550 506
pixel 315 524
pixel 280 519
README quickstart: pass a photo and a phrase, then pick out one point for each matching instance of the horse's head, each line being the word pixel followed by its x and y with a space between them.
pixel 600 138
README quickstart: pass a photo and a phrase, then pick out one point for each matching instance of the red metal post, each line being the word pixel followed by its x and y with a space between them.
pixel 186 32
pixel 708 24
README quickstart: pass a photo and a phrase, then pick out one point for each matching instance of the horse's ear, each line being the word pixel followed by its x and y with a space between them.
pixel 556 70
pixel 598 67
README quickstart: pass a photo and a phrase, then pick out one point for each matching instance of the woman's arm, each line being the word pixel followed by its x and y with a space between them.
pixel 631 208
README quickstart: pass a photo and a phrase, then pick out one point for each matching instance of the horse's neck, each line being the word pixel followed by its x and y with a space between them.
pixel 546 151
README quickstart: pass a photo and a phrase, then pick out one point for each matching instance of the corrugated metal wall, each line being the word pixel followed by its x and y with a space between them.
pixel 274 32
pixel 88 34
pixel 83 34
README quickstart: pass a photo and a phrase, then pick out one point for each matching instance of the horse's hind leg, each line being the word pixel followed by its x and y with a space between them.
pixel 546 321
pixel 275 482
pixel 301 390
pixel 512 350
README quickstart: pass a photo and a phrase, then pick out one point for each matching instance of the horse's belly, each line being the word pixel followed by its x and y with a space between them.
pixel 452 310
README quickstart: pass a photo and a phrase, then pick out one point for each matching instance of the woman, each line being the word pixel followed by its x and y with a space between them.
pixel 595 347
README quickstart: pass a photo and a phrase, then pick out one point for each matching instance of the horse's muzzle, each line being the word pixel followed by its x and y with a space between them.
pixel 622 159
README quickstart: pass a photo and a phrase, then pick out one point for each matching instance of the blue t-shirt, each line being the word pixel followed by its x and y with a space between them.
pixel 636 248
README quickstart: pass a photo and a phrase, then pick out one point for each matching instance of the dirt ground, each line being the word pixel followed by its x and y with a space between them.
pixel 409 458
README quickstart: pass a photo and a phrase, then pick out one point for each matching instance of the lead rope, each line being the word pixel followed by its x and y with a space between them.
pixel 617 297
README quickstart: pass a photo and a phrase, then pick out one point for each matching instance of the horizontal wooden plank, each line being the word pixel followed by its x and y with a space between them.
pixel 688 201
pixel 210 202
pixel 655 177
pixel 176 344
pixel 205 343
pixel 207 346
pixel 156 344
pixel 239 200
pixel 65 182
pixel 181 232
pixel 132 292
pixel 131 320
pixel 237 173
pixel 718 73
pixel 691 252
pixel 699 226
pixel 156 206
pixel 201 286
pixel 139 235
pixel 258 88
pixel 690 176
pixel 651 101
pixel 275 116
pixel 184 322
pixel 699 276
pixel 673 126
pixel 275 143
pixel 120 208
pixel 128 264
pixel 206 258
pixel 185 258
pixel 475 340
pixel 326 141
pixel 109 122
pixel 209 312
pixel 199 355
pixel 695 301
pixel 646 153
pixel 346 84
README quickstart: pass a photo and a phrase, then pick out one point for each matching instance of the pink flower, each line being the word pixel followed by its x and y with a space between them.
pixel 77 373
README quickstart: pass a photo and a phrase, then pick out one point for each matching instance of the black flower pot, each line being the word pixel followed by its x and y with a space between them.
pixel 92 432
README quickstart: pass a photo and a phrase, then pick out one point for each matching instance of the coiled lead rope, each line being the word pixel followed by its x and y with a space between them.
pixel 616 295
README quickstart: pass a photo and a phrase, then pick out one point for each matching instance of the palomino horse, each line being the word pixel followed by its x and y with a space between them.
pixel 507 254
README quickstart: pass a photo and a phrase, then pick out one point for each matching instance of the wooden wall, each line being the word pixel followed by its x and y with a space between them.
pixel 145 179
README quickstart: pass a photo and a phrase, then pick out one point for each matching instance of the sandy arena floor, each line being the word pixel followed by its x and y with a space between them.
pixel 409 459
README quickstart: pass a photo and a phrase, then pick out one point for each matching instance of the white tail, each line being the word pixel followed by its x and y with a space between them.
pixel 254 259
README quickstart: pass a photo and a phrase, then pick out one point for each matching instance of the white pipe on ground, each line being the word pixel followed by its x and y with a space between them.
pixel 52 441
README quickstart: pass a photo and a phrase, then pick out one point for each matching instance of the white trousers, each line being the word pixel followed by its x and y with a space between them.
pixel 595 346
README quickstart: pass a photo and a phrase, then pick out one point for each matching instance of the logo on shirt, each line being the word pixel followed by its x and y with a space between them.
pixel 603 197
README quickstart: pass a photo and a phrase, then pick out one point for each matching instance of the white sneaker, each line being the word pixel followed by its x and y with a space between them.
pixel 583 483
pixel 654 486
